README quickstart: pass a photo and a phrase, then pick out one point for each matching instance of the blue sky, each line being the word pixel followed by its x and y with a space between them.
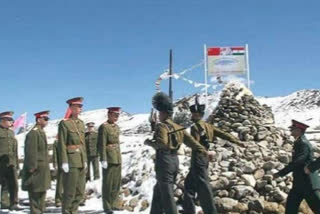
pixel 111 52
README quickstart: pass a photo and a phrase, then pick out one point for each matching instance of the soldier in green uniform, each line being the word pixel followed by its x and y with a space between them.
pixel 305 186
pixel 197 180
pixel 36 171
pixel 72 150
pixel 57 166
pixel 110 157
pixel 167 139
pixel 8 162
pixel 92 153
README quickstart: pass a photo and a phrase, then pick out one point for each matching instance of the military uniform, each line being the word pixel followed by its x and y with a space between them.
pixel 304 186
pixel 109 149
pixel 9 163
pixel 71 147
pixel 167 163
pixel 57 166
pixel 197 180
pixel 36 160
pixel 92 154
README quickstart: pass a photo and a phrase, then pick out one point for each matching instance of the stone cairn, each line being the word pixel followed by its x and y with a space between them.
pixel 241 177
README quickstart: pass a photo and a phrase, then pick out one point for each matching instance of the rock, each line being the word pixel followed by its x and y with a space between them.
pixel 240 208
pixel 134 202
pixel 270 207
pixel 144 205
pixel 269 165
pixel 279 196
pixel 242 191
pixel 256 205
pixel 258 174
pixel 248 168
pixel 284 158
pixel 261 184
pixel 226 204
pixel 249 180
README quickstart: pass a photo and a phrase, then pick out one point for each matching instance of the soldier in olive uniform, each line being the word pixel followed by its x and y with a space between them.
pixel 72 150
pixel 8 160
pixel 110 156
pixel 92 153
pixel 36 171
pixel 57 167
pixel 167 139
pixel 305 186
pixel 197 180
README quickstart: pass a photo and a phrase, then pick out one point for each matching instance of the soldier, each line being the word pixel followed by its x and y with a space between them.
pixel 57 166
pixel 305 186
pixel 92 153
pixel 72 150
pixel 110 157
pixel 167 139
pixel 197 180
pixel 36 171
pixel 8 159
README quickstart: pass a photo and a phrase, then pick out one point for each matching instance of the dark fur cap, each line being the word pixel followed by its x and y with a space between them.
pixel 162 102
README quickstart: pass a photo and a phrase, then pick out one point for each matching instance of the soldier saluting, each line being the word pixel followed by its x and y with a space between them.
pixel 71 146
pixel 197 180
pixel 36 172
pixel 305 186
pixel 167 139
pixel 8 158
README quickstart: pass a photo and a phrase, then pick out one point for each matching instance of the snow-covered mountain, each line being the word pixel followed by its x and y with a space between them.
pixel 138 173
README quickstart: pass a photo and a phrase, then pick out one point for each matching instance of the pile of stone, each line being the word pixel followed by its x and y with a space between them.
pixel 241 177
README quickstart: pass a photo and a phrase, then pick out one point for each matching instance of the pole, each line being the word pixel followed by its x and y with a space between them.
pixel 247 66
pixel 206 73
pixel 170 75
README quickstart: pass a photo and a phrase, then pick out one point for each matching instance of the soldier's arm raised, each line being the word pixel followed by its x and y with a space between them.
pixel 226 136
pixel 62 142
pixel 31 148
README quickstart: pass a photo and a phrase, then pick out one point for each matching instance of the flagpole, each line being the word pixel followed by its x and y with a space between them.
pixel 248 67
pixel 206 73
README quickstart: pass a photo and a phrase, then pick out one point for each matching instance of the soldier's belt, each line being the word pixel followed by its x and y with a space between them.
pixel 112 146
pixel 74 146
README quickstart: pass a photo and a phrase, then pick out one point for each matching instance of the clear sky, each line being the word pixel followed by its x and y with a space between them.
pixel 111 52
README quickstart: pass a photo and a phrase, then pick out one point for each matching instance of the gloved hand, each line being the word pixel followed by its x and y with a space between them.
pixel 104 164
pixel 65 167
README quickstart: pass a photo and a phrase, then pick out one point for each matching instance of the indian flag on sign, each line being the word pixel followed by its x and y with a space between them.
pixel 226 60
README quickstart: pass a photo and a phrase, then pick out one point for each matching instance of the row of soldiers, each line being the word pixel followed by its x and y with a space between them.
pixel 167 139
pixel 72 160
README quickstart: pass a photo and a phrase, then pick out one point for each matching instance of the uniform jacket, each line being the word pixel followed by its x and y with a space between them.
pixel 302 155
pixel 71 143
pixel 8 148
pixel 36 157
pixel 165 140
pixel 109 143
pixel 91 143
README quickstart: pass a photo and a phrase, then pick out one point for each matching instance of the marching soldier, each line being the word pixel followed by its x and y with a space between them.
pixel 92 153
pixel 110 156
pixel 305 185
pixel 36 170
pixel 197 180
pixel 72 150
pixel 167 139
pixel 57 167
pixel 8 161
